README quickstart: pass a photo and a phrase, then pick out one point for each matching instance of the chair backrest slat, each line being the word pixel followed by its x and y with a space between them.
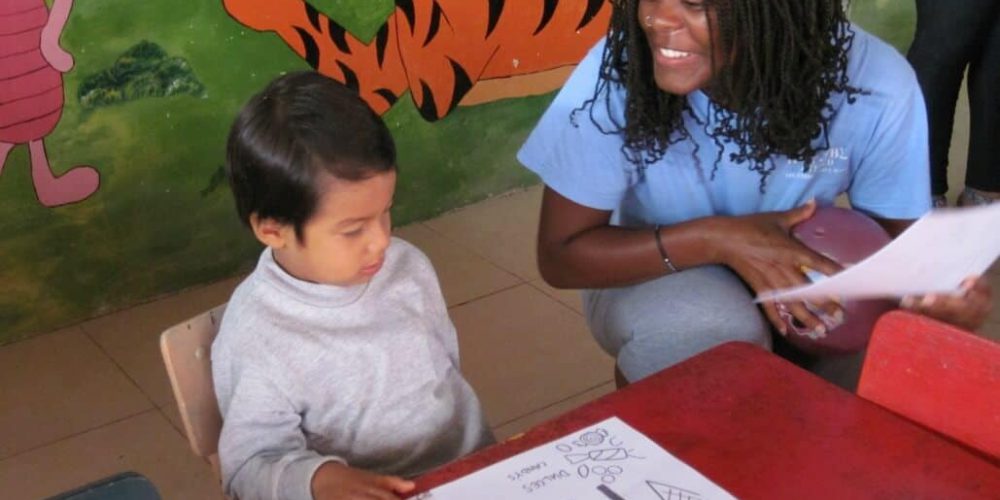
pixel 187 349
pixel 937 375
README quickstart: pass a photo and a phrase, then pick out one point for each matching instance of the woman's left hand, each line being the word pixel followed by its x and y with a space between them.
pixel 967 311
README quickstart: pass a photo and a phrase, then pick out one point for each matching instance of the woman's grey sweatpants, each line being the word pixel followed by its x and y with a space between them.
pixel 661 322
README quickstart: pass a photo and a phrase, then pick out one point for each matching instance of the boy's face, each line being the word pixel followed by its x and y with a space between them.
pixel 344 242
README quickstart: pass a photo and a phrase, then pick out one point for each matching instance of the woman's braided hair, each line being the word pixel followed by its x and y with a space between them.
pixel 788 57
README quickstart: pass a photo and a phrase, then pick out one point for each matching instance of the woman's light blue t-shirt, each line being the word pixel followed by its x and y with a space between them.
pixel 877 154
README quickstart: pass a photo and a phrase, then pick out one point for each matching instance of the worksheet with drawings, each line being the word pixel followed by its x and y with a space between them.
pixel 606 461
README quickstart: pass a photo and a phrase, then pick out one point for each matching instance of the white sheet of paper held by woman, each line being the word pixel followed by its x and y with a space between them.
pixel 606 461
pixel 933 256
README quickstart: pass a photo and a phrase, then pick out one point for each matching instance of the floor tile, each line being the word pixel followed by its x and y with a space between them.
pixel 173 416
pixel 146 444
pixel 524 423
pixel 502 229
pixel 523 351
pixel 570 298
pixel 132 337
pixel 464 275
pixel 57 385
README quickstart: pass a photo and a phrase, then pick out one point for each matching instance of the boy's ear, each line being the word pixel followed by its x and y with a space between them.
pixel 271 232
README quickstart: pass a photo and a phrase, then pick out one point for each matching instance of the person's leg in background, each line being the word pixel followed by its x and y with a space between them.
pixel 982 179
pixel 948 34
pixel 656 324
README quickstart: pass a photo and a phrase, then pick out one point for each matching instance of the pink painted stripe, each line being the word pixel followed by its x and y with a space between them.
pixel 14 44
pixel 24 22
pixel 19 63
pixel 20 7
pixel 30 108
pixel 20 133
pixel 37 84
pixel 12 88
pixel 18 73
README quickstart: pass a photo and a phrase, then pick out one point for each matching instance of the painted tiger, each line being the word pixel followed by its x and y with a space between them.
pixel 436 49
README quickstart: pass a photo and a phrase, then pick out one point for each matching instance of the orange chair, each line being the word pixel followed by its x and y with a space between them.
pixel 937 375
pixel 186 350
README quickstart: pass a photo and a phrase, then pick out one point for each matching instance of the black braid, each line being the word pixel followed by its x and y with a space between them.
pixel 789 57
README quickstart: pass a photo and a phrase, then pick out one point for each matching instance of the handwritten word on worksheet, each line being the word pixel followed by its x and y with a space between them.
pixel 607 461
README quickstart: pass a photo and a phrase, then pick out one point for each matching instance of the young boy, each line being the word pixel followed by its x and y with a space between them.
pixel 336 365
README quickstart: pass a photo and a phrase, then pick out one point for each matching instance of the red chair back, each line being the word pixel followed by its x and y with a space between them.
pixel 937 375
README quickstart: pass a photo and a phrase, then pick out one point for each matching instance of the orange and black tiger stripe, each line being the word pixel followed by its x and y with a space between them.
pixel 437 49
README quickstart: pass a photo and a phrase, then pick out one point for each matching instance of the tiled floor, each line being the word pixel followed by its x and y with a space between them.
pixel 91 400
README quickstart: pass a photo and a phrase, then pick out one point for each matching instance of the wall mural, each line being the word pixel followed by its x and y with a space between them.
pixel 113 117
pixel 438 50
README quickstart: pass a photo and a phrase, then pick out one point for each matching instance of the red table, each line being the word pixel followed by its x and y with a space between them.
pixel 761 427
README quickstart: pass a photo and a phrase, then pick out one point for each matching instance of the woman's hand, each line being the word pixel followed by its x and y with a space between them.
pixel 967 311
pixel 336 481
pixel 761 250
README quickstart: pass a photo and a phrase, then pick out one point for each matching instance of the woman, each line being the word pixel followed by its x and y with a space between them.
pixel 685 146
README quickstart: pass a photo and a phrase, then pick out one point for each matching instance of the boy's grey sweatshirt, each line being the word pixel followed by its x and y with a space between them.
pixel 368 375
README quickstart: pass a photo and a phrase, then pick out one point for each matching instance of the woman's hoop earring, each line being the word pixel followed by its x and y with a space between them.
pixel 648 21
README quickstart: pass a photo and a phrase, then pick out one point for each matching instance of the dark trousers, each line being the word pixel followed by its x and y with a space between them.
pixel 953 35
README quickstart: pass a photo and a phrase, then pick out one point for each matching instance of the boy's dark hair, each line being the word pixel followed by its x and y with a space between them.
pixel 300 126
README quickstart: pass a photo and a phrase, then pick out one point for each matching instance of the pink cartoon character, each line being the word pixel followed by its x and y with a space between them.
pixel 31 94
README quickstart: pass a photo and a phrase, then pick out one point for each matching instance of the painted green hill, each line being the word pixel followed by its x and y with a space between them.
pixel 144 70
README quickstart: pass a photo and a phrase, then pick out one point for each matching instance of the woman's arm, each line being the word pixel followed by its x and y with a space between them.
pixel 577 248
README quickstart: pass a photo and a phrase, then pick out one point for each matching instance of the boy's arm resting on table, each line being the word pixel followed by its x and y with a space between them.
pixel 262 449
pixel 264 453
pixel 337 481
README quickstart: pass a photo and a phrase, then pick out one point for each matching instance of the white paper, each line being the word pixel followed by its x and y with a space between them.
pixel 933 256
pixel 607 461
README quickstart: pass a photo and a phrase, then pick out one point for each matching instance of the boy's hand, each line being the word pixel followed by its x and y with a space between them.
pixel 336 481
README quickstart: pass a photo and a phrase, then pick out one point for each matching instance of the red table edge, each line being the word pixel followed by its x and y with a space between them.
pixel 545 432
